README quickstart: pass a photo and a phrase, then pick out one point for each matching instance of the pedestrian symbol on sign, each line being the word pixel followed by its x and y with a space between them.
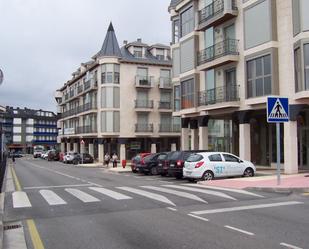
pixel 277 110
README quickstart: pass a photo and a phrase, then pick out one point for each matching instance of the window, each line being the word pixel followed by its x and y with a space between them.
pixel 110 97
pixel 138 52
pixel 177 98
pixel 187 55
pixel 215 158
pixel 258 24
pixel 298 71
pixel 160 54
pixel 175 31
pixel 230 158
pixel 306 65
pixel 110 121
pixel 259 76
pixel 110 73
pixel 187 21
pixel 176 62
pixel 187 94
pixel 194 158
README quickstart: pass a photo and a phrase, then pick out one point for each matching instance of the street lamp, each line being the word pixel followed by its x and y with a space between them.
pixel 1 76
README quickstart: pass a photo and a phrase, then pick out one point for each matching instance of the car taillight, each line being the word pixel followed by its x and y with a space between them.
pixel 179 163
pixel 199 164
pixel 143 162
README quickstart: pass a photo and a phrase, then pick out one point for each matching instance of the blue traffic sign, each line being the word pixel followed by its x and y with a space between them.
pixel 277 110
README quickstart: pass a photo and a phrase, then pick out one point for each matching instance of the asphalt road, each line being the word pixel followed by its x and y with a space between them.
pixel 92 208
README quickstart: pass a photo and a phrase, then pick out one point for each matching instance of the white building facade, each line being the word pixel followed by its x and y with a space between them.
pixel 228 56
pixel 121 102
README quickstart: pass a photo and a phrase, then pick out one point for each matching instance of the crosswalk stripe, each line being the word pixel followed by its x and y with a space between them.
pixel 175 192
pixel 20 200
pixel 240 191
pixel 147 194
pixel 111 193
pixel 51 197
pixel 204 191
pixel 84 197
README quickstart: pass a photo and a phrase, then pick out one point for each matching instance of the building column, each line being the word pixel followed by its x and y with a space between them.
pixel 184 138
pixel 68 147
pixel 203 132
pixel 290 148
pixel 101 153
pixel 62 147
pixel 82 148
pixel 75 147
pixel 173 147
pixel 153 148
pixel 194 139
pixel 91 149
pixel 245 141
pixel 122 152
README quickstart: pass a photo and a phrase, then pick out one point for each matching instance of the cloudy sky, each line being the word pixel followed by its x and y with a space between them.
pixel 43 41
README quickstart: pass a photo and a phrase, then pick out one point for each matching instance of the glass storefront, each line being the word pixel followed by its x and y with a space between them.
pixel 303 139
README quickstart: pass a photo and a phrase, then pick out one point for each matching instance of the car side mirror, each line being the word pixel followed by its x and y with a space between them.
pixel 240 161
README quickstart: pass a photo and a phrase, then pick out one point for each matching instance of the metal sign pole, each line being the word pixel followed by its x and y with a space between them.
pixel 278 153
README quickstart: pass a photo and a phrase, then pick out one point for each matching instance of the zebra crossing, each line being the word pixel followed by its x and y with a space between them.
pixel 158 193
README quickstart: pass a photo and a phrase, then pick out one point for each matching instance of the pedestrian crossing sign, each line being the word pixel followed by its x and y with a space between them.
pixel 277 110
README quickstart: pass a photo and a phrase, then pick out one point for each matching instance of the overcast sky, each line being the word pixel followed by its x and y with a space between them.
pixel 43 41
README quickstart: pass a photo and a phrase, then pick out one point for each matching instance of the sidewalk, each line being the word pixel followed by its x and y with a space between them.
pixel 289 183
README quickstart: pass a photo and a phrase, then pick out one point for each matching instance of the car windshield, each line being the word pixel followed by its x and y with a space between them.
pixel 162 157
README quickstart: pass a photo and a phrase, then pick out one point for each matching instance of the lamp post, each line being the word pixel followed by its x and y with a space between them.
pixel 1 76
pixel 1 130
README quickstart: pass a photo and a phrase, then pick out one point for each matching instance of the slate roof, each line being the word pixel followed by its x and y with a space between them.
pixel 174 3
pixel 110 45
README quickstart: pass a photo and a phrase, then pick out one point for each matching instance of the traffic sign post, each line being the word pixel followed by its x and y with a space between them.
pixel 82 142
pixel 278 112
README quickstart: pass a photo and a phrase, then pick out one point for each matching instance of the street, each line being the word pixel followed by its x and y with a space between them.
pixel 76 207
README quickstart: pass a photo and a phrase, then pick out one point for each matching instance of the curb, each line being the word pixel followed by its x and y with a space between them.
pixel 279 190
pixel 121 172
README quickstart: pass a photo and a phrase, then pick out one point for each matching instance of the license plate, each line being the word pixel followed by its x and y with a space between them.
pixel 172 165
pixel 160 164
pixel 189 172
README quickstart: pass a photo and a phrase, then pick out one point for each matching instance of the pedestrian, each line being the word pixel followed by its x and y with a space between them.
pixel 13 158
pixel 107 158
pixel 115 158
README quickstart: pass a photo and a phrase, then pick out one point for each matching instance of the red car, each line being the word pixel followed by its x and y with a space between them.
pixel 135 160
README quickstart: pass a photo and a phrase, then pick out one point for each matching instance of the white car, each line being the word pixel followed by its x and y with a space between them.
pixel 44 155
pixel 69 157
pixel 208 165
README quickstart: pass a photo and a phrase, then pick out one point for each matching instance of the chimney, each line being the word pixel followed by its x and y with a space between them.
pixel 139 40
pixel 125 42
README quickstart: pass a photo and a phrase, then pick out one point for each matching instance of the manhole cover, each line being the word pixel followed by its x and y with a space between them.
pixel 10 227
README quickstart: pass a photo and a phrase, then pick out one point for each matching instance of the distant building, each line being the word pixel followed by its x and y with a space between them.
pixel 121 101
pixel 26 128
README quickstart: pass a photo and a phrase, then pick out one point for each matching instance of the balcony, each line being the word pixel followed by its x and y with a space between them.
pixel 143 81
pixel 219 54
pixel 66 96
pixel 219 95
pixel 144 104
pixel 165 105
pixel 143 127
pixel 165 83
pixel 86 130
pixel 216 13
pixel 80 89
pixel 170 128
pixel 71 94
pixel 80 109
pixel 87 85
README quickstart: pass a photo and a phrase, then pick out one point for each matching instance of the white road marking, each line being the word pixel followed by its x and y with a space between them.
pixel 198 217
pixel 138 177
pixel 111 193
pixel 149 179
pixel 167 182
pixel 84 197
pixel 204 191
pixel 59 186
pixel 232 209
pixel 147 194
pixel 172 209
pixel 239 230
pixel 240 191
pixel 175 192
pixel 20 200
pixel 289 246
pixel 52 198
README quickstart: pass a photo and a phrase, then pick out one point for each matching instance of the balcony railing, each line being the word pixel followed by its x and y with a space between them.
pixel 87 85
pixel 165 105
pixel 72 94
pixel 79 89
pixel 219 95
pixel 214 9
pixel 226 47
pixel 169 128
pixel 66 96
pixel 165 83
pixel 143 127
pixel 143 81
pixel 82 108
pixel 86 129
pixel 139 103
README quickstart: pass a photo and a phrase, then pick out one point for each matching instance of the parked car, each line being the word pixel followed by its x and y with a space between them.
pixel 208 165
pixel 44 155
pixel 53 155
pixel 37 153
pixel 149 164
pixel 135 160
pixel 163 162
pixel 83 158
pixel 69 157
pixel 176 162
pixel 61 156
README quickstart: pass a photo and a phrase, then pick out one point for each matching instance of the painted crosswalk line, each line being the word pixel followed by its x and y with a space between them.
pixel 176 192
pixel 20 200
pixel 84 197
pixel 239 191
pixel 204 191
pixel 111 193
pixel 52 198
pixel 148 194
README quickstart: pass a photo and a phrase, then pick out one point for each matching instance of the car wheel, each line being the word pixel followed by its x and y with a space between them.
pixel 191 180
pixel 154 171
pixel 208 176
pixel 248 172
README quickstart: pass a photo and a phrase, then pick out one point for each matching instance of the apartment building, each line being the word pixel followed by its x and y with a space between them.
pixel 25 128
pixel 120 101
pixel 228 56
